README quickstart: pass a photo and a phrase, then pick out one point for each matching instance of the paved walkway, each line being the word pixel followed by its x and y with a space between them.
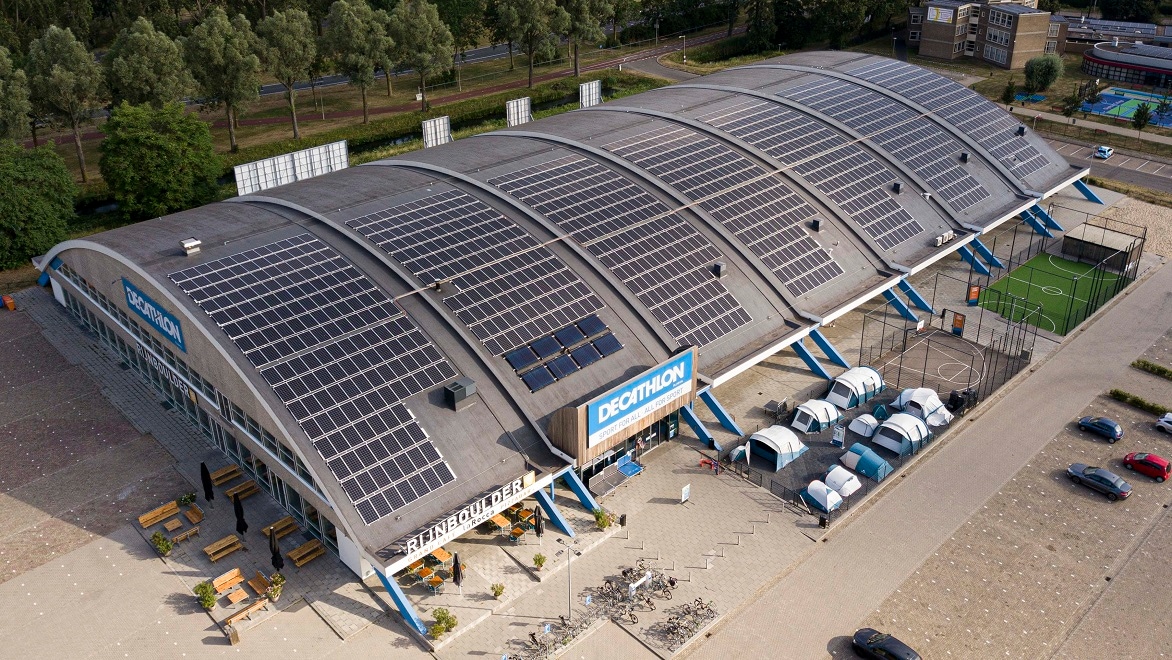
pixel 866 560
pixel 652 67
pixel 1024 115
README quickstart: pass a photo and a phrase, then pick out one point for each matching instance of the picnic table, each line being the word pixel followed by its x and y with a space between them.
pixel 172 524
pixel 516 534
pixel 223 547
pixel 435 585
pixel 501 522
pixel 441 556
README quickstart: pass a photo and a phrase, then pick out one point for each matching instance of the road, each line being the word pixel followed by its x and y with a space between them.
pixel 1139 170
pixel 807 613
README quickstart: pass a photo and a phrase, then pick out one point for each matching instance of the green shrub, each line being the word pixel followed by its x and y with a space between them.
pixel 539 560
pixel 206 594
pixel 444 617
pixel 497 589
pixel 1137 402
pixel 603 518
pixel 1153 368
pixel 437 630
pixel 162 543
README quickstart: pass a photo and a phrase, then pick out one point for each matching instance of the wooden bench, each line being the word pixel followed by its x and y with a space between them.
pixel 183 536
pixel 243 490
pixel 194 514
pixel 228 580
pixel 247 612
pixel 226 474
pixel 223 547
pixel 282 527
pixel 159 515
pixel 259 584
pixel 306 552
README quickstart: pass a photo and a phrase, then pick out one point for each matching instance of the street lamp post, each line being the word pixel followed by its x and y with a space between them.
pixel 570 552
pixel 656 32
pixel 684 49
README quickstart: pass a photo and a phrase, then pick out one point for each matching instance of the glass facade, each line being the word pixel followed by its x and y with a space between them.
pixel 1125 74
pixel 635 446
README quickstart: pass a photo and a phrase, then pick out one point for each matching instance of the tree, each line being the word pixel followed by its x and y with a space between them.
pixel 1051 6
pixel 1043 71
pixel 762 26
pixel 498 22
pixel 1070 105
pixel 1140 11
pixel 220 54
pixel 288 50
pixel 66 83
pixel 14 100
pixel 422 41
pixel 795 25
pixel 36 202
pixel 624 11
pixel 585 24
pixel 466 21
pixel 841 20
pixel 146 66
pixel 532 24
pixel 1009 94
pixel 356 38
pixel 1162 109
pixel 1141 117
pixel 158 160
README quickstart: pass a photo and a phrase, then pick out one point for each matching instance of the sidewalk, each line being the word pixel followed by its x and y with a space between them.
pixel 1025 114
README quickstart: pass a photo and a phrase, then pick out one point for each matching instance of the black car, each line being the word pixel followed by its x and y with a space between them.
pixel 871 643
pixel 1104 481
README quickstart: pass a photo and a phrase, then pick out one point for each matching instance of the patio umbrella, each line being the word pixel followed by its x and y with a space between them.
pixel 275 548
pixel 539 524
pixel 205 478
pixel 457 573
pixel 241 523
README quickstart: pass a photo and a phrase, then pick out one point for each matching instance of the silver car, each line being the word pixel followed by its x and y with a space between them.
pixel 1164 424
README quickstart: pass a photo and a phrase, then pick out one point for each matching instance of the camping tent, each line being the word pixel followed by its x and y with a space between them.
pixel 737 454
pixel 903 434
pixel 863 460
pixel 777 444
pixel 864 425
pixel 855 386
pixel 815 415
pixel 842 480
pixel 925 404
pixel 821 496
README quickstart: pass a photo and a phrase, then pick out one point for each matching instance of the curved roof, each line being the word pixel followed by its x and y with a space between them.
pixel 555 260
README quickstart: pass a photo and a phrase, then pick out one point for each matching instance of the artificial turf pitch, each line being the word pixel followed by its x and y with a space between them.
pixel 1050 282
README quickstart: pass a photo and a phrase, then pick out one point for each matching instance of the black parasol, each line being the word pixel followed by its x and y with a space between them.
pixel 241 523
pixel 275 548
pixel 539 524
pixel 205 478
pixel 457 572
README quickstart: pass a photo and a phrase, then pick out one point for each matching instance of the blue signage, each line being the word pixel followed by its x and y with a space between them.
pixel 623 406
pixel 153 313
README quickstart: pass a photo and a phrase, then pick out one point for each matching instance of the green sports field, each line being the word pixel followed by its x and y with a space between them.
pixel 1050 282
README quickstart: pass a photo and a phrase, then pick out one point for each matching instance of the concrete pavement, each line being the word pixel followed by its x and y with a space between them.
pixel 828 594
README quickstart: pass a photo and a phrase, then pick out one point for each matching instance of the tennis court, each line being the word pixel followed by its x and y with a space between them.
pixel 1067 291
pixel 1120 104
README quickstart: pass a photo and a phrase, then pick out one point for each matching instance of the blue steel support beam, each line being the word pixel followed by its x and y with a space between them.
pixel 402 603
pixel 828 349
pixel 1050 222
pixel 554 513
pixel 914 296
pixel 967 255
pixel 811 361
pixel 1087 192
pixel 986 253
pixel 900 306
pixel 578 488
pixel 718 410
pixel 1036 224
pixel 698 428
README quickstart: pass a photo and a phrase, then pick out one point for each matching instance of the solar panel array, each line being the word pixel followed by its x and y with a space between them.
pixel 1147 50
pixel 989 125
pixel 918 141
pixel 287 168
pixel 843 171
pixel 508 289
pixel 762 212
pixel 574 347
pixel 339 355
pixel 664 261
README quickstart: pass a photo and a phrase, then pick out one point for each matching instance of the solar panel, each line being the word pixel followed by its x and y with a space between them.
pixel 546 346
pixel 591 325
pixel 916 140
pixel 988 124
pixel 505 286
pixel 569 335
pixel 585 356
pixel 538 378
pixel 607 345
pixel 838 168
pixel 562 366
pixel 521 358
pixel 765 214
pixel 662 259
pixel 340 356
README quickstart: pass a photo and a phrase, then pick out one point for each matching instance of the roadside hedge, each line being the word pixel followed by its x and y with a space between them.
pixel 1137 402
pixel 1153 368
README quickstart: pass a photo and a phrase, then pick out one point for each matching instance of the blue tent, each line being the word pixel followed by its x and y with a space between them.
pixel 864 460
pixel 777 444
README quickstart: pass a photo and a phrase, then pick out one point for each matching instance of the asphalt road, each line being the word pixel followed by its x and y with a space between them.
pixel 1135 169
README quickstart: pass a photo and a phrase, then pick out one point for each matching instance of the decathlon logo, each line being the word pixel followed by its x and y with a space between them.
pixel 152 313
pixel 639 398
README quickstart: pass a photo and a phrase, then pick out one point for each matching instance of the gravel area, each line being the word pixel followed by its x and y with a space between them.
pixel 1158 220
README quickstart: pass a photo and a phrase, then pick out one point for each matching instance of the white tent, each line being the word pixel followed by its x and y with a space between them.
pixel 855 386
pixel 822 496
pixel 777 443
pixel 815 416
pixel 925 404
pixel 903 434
pixel 864 425
pixel 842 480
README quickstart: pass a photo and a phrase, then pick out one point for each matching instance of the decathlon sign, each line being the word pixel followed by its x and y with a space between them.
pixel 153 313
pixel 640 398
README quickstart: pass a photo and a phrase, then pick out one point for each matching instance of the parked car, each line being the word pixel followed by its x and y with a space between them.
pixel 1104 152
pixel 1108 428
pixel 871 643
pixel 1156 467
pixel 1164 424
pixel 1104 481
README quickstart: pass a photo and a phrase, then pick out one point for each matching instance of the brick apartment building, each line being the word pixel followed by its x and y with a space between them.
pixel 1003 34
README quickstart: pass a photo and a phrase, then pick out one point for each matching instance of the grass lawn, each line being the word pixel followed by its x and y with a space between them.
pixel 1051 282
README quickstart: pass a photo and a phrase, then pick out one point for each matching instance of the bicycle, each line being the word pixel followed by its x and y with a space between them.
pixel 628 612
pixel 542 647
pixel 648 602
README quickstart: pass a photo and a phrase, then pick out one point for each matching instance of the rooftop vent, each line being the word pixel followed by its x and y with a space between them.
pixel 964 156
pixel 190 245
pixel 458 393
pixel 816 224
pixel 1020 131
pixel 719 269
pixel 897 187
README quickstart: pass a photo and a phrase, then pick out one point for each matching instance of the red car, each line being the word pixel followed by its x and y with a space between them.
pixel 1156 467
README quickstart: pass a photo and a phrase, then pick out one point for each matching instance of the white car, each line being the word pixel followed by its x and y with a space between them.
pixel 1104 152
pixel 1164 424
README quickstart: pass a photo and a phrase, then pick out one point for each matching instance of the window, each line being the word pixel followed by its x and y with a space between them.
pixel 958 46
pixel 1001 18
pixel 961 28
pixel 917 19
pixel 1051 47
pixel 972 28
pixel 998 36
pixel 914 35
pixel 995 54
pixel 1053 30
pixel 963 12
